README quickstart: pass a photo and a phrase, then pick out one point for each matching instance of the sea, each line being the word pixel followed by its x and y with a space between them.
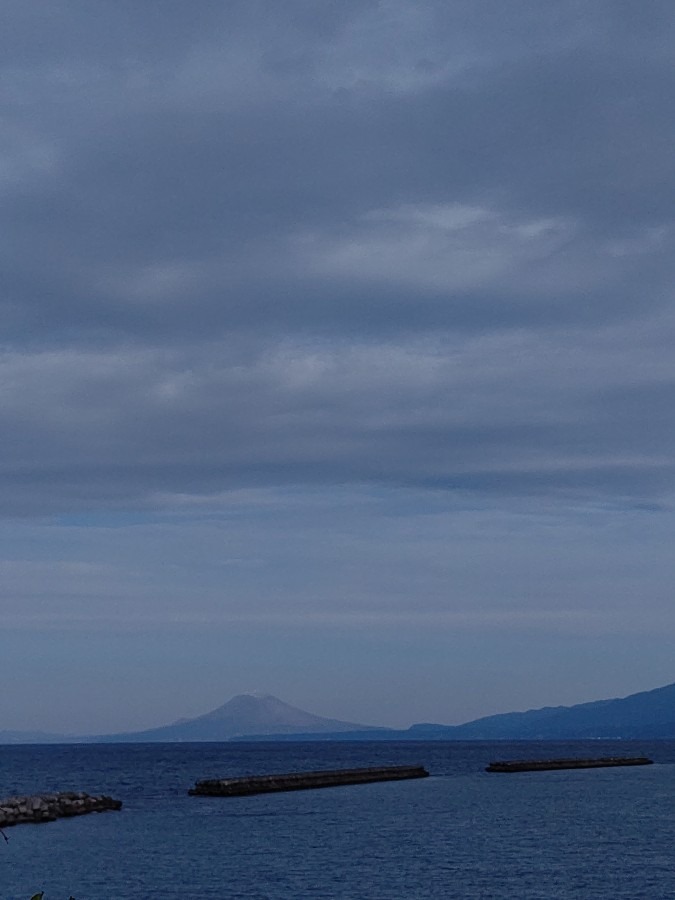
pixel 461 833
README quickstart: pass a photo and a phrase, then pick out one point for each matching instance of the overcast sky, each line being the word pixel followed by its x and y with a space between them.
pixel 336 356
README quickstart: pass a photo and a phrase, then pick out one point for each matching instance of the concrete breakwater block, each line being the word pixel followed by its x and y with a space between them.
pixel 547 765
pixel 298 781
pixel 48 807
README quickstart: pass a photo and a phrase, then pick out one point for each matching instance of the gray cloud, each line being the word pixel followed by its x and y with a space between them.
pixel 336 243
pixel 324 251
pixel 586 413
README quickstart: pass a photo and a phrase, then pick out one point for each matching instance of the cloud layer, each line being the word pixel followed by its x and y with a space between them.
pixel 335 250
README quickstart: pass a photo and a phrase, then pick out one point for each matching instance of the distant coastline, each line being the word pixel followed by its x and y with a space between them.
pixel 648 715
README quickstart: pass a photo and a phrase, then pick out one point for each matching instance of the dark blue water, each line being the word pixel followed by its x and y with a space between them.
pixel 462 833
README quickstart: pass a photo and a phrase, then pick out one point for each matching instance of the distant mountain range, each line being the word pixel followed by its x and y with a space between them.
pixel 647 715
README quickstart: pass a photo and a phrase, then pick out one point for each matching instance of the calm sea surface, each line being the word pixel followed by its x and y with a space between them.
pixel 462 833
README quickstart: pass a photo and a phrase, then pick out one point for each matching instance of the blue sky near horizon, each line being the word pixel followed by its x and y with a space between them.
pixel 337 357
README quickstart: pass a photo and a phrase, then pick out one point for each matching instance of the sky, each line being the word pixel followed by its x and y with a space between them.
pixel 336 357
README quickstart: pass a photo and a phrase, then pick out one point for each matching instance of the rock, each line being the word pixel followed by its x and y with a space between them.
pixel 48 807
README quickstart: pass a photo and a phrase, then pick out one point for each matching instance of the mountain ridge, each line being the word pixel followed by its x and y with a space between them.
pixel 640 715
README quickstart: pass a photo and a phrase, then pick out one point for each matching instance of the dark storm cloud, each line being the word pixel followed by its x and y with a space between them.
pixel 257 243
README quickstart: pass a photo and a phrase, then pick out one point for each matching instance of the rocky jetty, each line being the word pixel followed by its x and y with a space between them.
pixel 299 781
pixel 48 807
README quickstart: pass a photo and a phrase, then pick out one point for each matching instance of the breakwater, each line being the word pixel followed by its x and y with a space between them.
pixel 543 765
pixel 299 781
pixel 48 807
